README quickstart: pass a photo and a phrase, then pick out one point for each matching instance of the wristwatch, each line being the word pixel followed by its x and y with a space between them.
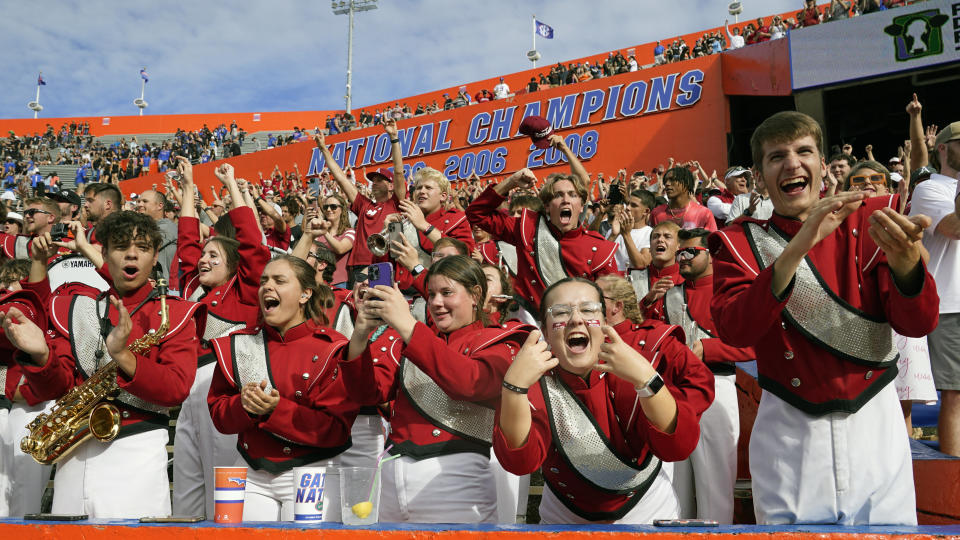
pixel 417 270
pixel 651 387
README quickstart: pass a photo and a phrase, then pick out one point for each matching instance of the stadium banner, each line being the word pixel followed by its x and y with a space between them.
pixel 911 37
pixel 631 121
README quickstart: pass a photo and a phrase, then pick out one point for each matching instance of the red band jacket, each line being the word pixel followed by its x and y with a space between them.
pixel 849 263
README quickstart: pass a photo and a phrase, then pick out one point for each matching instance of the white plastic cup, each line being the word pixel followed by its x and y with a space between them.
pixel 357 507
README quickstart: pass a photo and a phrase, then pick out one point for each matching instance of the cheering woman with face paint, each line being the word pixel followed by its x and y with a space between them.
pixel 443 392
pixel 223 274
pixel 597 411
pixel 278 387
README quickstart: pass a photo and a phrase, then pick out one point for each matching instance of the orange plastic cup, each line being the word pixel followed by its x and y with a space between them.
pixel 229 488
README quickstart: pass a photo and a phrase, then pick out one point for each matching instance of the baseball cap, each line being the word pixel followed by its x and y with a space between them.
pixel 923 172
pixel 16 216
pixel 538 129
pixel 382 171
pixel 894 159
pixel 8 196
pixel 947 134
pixel 896 177
pixel 67 196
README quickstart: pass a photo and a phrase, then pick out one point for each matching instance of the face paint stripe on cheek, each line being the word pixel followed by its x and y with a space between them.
pixel 592 322
pixel 559 325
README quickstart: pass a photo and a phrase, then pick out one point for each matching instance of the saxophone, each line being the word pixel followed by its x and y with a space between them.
pixel 86 410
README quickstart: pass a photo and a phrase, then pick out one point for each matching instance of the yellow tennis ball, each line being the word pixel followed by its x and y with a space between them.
pixel 363 509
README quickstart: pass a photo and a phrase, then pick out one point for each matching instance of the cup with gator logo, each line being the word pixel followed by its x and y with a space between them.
pixel 308 484
pixel 228 491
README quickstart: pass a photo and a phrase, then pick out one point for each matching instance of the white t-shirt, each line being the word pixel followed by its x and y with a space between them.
pixel 641 239
pixel 719 208
pixel 741 202
pixel 501 91
pixel 934 198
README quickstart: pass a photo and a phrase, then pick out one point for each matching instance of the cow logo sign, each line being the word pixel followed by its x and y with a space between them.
pixel 917 35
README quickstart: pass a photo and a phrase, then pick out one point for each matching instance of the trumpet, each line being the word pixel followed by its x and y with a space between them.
pixel 379 244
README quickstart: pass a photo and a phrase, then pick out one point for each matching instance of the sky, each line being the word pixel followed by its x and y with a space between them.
pixel 289 55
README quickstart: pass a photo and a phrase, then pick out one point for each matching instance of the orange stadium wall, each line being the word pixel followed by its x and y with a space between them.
pixel 633 121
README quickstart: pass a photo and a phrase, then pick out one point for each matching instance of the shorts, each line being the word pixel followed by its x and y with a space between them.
pixel 944 344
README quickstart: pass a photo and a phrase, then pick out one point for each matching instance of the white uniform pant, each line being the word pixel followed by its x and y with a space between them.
pixel 847 469
pixel 659 502
pixel 22 480
pixel 704 482
pixel 197 448
pixel 124 478
pixel 512 493
pixel 270 497
pixel 367 436
pixel 453 488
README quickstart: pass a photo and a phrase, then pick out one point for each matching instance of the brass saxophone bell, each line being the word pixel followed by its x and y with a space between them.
pixel 104 421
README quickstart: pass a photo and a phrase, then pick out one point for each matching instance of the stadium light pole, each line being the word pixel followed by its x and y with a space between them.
pixel 348 7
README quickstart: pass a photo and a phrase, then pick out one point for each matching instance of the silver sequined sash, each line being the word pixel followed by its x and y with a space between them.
pixel 463 418
pixel 21 247
pixel 640 281
pixel 547 254
pixel 820 314
pixel 675 305
pixel 3 381
pixel 250 360
pixel 217 327
pixel 343 322
pixel 197 294
pixel 413 238
pixel 85 338
pixel 419 309
pixel 508 257
pixel 585 448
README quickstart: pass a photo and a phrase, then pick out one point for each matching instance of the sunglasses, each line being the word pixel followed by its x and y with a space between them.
pixel 862 179
pixel 330 207
pixel 12 222
pixel 34 211
pixel 687 254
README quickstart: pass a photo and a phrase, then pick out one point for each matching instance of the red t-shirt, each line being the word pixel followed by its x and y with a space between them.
pixel 693 216
pixel 278 239
pixel 370 220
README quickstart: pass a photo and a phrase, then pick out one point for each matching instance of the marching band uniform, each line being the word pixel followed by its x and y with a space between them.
pixel 233 306
pixel 22 480
pixel 442 418
pixel 644 280
pixel 544 256
pixel 309 427
pixel 607 464
pixel 714 461
pixel 825 361
pixel 367 433
pixel 126 477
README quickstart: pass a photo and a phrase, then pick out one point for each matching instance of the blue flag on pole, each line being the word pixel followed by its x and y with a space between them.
pixel 40 81
pixel 544 30
pixel 143 74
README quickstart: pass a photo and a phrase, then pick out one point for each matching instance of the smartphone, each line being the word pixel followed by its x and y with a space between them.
pixel 56 517
pixel 172 519
pixel 394 233
pixel 380 274
pixel 685 523
pixel 615 196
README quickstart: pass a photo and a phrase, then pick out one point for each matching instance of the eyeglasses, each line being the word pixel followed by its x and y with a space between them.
pixel 690 253
pixel 562 313
pixel 34 211
pixel 862 179
pixel 330 207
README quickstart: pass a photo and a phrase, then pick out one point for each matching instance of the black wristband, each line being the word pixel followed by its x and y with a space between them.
pixel 429 230
pixel 392 141
pixel 515 389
